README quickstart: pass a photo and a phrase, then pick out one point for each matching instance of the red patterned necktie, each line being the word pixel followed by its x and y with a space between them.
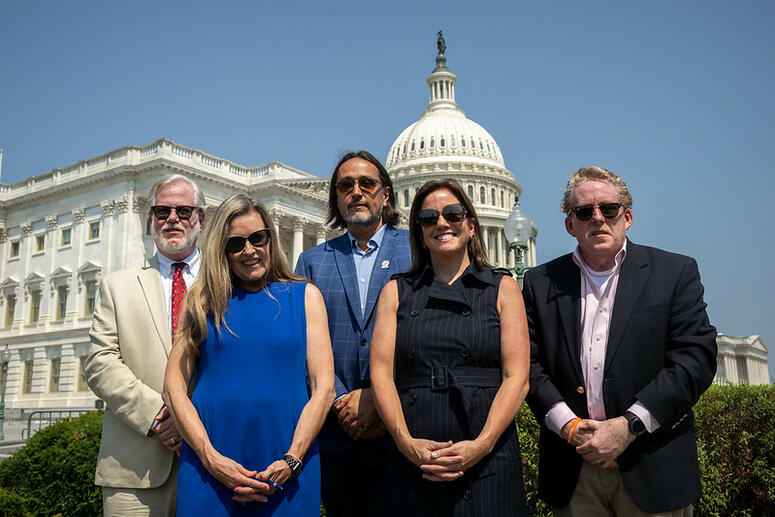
pixel 178 293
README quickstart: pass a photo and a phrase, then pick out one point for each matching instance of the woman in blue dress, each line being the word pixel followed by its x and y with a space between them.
pixel 250 337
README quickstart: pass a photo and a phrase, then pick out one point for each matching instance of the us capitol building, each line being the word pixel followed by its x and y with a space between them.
pixel 61 231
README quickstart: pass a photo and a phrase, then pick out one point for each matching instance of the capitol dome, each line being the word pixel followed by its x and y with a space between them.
pixel 444 143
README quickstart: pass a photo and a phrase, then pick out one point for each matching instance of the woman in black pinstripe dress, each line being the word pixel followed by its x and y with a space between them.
pixel 449 368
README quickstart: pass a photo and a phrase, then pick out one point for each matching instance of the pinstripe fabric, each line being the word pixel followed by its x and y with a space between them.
pixel 456 327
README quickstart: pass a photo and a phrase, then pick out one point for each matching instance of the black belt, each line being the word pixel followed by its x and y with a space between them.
pixel 440 378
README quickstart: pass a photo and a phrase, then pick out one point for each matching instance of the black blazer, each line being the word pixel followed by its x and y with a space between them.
pixel 661 351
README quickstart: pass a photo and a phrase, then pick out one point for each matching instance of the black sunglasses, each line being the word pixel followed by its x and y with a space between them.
pixel 451 213
pixel 609 211
pixel 257 240
pixel 367 185
pixel 162 212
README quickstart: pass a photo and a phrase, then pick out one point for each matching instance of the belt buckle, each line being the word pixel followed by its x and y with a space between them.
pixel 439 377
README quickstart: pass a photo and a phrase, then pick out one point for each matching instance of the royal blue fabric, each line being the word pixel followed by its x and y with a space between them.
pixel 249 392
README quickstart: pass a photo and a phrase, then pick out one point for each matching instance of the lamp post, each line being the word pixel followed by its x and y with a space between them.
pixel 518 229
pixel 6 357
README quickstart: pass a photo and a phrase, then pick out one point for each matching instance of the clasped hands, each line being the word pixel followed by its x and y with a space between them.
pixel 601 442
pixel 443 461
pixel 166 431
pixel 358 415
pixel 248 485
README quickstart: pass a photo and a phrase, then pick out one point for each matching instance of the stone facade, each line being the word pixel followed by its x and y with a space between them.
pixel 741 360
pixel 61 231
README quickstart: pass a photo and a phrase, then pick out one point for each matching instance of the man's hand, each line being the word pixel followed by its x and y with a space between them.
pixel 609 439
pixel 357 414
pixel 166 431
pixel 580 436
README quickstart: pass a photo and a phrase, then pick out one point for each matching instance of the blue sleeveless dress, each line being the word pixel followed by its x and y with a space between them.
pixel 249 391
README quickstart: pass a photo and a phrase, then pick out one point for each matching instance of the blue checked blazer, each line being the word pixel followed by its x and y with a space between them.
pixel 330 266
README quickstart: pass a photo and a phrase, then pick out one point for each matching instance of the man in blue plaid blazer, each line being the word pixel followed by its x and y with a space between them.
pixel 350 271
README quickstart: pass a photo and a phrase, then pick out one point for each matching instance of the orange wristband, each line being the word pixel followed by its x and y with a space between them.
pixel 572 431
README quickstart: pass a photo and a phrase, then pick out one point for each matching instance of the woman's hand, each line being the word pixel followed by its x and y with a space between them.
pixel 423 452
pixel 277 472
pixel 233 475
pixel 449 463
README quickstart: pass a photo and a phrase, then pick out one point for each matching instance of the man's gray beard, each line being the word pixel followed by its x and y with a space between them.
pixel 364 220
pixel 168 248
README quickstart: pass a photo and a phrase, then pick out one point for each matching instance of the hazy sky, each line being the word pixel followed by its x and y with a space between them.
pixel 676 97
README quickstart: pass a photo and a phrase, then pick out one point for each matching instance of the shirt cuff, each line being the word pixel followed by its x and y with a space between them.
pixel 645 416
pixel 557 416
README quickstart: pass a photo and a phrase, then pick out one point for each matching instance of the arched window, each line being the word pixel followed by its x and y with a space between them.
pixel 492 196
pixel 432 142
pixel 406 197
pixel 503 204
pixel 412 145
pixel 462 142
pixel 481 195
pixel 471 192
pixel 442 142
pixel 422 144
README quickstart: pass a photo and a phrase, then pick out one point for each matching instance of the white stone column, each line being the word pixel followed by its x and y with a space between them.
pixel 298 239
pixel 320 235
pixel 68 370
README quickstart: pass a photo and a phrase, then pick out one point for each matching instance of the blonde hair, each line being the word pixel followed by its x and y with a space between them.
pixel 211 292
pixel 593 172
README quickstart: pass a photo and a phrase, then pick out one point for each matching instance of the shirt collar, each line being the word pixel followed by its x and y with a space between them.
pixel 165 263
pixel 374 242
pixel 618 259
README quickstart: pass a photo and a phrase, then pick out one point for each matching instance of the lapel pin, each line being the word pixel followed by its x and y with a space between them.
pixel 385 264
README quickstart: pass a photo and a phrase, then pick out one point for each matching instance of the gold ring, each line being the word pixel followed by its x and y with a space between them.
pixel 172 441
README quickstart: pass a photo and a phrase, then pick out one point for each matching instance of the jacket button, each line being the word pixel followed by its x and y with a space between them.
pixel 415 313
pixel 364 342
pixel 412 399
pixel 580 389
pixel 467 494
pixel 465 352
pixel 466 311
pixel 410 355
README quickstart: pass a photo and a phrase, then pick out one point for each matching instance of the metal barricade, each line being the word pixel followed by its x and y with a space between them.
pixel 42 418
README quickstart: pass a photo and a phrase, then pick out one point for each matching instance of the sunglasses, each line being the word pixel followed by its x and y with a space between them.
pixel 257 239
pixel 368 185
pixel 451 213
pixel 609 211
pixel 162 212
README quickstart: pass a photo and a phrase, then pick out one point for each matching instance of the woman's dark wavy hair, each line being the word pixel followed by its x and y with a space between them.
pixel 389 213
pixel 477 252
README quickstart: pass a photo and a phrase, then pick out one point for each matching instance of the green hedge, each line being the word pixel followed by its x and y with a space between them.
pixel 53 474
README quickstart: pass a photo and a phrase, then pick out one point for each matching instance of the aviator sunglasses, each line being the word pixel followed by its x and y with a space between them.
pixel 257 239
pixel 366 184
pixel 609 211
pixel 162 212
pixel 451 213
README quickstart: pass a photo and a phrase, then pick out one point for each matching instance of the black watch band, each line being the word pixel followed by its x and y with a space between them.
pixel 636 425
pixel 294 464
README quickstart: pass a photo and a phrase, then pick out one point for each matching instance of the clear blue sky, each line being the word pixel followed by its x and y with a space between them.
pixel 676 97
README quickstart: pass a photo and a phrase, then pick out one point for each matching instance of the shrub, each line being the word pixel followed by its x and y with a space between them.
pixel 54 472
pixel 735 426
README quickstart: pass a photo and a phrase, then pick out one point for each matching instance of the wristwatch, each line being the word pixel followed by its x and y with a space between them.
pixel 294 464
pixel 636 425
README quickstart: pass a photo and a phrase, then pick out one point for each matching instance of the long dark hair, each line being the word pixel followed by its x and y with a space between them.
pixel 477 253
pixel 389 213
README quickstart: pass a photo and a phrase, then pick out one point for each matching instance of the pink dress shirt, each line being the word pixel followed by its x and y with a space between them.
pixel 598 293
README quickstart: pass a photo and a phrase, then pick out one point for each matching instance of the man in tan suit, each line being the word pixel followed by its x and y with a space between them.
pixel 131 337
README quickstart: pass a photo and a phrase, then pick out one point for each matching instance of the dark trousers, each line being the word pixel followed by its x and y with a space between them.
pixel 353 483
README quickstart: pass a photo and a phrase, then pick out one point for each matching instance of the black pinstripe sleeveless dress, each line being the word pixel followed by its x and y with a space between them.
pixel 447 363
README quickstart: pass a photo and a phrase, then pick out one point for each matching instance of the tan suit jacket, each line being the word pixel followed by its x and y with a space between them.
pixel 130 343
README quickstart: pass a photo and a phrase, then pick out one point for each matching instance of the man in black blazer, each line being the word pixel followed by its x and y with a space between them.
pixel 621 349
